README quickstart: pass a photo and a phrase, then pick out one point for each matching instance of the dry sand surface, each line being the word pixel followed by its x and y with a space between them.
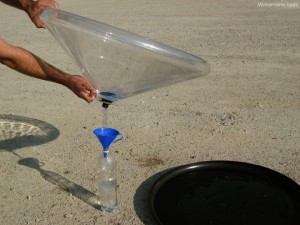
pixel 246 109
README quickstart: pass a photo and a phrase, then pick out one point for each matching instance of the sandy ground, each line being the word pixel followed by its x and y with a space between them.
pixel 246 109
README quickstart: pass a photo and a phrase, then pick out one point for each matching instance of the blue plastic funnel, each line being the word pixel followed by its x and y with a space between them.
pixel 107 136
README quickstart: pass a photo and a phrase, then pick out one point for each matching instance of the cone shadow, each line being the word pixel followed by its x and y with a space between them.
pixel 18 132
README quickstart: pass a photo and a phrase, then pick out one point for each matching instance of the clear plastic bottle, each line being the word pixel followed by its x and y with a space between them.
pixel 107 183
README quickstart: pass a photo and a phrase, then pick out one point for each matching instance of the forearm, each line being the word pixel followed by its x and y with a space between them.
pixel 27 63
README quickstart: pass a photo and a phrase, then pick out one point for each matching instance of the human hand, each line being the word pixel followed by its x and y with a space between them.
pixel 81 87
pixel 35 8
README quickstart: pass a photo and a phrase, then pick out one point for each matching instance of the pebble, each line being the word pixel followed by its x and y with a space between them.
pixel 68 215
pixel 28 197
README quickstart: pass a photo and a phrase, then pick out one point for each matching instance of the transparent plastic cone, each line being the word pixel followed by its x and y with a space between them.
pixel 118 63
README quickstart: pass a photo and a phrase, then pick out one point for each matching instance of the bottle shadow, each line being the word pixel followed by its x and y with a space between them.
pixel 76 190
pixel 18 132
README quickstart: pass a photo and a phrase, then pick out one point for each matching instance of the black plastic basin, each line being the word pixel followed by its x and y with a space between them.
pixel 225 193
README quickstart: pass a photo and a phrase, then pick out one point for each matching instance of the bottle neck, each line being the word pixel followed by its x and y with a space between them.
pixel 105 153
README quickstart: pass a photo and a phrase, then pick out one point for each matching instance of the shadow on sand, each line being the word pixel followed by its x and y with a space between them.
pixel 18 132
pixel 76 190
pixel 142 199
